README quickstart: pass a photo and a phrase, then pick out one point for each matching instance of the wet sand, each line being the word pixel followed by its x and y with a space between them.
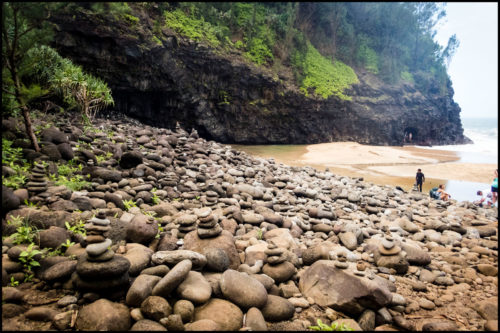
pixel 381 165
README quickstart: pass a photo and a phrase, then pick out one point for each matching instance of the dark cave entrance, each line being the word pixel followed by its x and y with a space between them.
pixel 410 135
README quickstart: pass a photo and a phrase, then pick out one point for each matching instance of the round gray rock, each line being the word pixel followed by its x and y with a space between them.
pixel 155 308
pixel 104 315
pixel 173 278
pixel 195 288
pixel 277 309
pixel 141 288
pixel 242 289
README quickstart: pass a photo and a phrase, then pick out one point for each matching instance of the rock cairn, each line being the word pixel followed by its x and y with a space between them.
pixel 186 223
pixel 99 269
pixel 210 199
pixel 277 266
pixel 275 255
pixel 341 261
pixel 388 247
pixel 37 183
pixel 208 226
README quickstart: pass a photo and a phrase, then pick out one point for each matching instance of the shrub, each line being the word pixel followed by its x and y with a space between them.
pixel 12 157
pixel 195 29
pixel 322 76
pixel 334 327
pixel 406 76
pixel 78 89
pixel 27 257
pixel 75 183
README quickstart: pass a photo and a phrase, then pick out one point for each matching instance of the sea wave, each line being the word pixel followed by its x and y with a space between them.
pixel 484 148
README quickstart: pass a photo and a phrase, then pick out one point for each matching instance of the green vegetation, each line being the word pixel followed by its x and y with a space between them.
pixel 390 40
pixel 129 204
pixel 13 282
pixel 131 19
pixel 30 204
pixel 195 29
pixel 321 76
pixel 27 258
pixel 406 76
pixel 32 71
pixel 78 89
pixel 105 157
pixel 12 158
pixel 74 183
pixel 224 97
pixel 155 198
pixel 25 233
pixel 334 327
pixel 77 228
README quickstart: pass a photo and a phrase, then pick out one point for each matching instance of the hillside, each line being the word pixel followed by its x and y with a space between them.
pixel 160 76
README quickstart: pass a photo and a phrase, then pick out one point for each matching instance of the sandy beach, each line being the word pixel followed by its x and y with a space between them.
pixel 379 164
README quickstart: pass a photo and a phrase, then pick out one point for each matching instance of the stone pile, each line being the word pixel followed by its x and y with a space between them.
pixel 208 226
pixel 287 228
pixel 387 247
pixel 186 224
pixel 210 198
pixel 37 183
pixel 341 261
pixel 99 269
pixel 170 179
pixel 277 266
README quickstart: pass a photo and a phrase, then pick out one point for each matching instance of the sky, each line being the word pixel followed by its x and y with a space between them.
pixel 474 67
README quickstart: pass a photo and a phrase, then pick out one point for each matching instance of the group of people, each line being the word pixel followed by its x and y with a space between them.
pixel 436 193
pixel 488 197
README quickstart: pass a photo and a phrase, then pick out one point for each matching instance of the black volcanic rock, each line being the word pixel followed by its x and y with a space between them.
pixel 181 81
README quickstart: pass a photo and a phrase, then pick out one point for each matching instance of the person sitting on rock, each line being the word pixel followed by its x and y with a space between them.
pixel 443 195
pixel 487 196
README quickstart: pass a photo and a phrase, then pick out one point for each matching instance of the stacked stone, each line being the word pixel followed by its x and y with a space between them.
pixel 129 143
pixel 37 182
pixel 100 269
pixel 182 151
pixel 275 255
pixel 210 198
pixel 388 247
pixel 170 179
pixel 341 261
pixel 208 227
pixel 187 224
pixel 360 268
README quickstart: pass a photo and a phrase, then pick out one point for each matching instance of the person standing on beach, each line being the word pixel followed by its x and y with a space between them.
pixel 494 188
pixel 420 179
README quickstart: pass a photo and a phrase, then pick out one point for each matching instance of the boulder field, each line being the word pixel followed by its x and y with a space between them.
pixel 220 240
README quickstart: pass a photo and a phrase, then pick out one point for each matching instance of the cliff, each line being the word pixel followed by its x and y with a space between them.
pixel 227 99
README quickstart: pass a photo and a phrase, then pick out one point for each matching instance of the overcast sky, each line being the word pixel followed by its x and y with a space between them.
pixel 474 67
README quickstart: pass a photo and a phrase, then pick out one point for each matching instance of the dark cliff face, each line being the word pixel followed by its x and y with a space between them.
pixel 230 101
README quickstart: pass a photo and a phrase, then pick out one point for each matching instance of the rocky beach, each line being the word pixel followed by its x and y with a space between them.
pixel 175 232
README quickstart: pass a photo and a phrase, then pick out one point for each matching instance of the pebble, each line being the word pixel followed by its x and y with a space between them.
pixel 214 184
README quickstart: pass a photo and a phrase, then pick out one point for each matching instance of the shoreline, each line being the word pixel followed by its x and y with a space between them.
pixel 382 165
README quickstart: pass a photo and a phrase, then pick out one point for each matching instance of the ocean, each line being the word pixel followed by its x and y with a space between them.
pixel 484 133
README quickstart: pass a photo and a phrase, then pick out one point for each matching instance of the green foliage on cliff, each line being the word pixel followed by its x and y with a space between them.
pixel 394 41
pixel 196 29
pixel 322 76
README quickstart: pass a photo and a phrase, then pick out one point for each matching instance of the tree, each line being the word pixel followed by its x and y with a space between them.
pixel 450 49
pixel 23 26
pixel 61 77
